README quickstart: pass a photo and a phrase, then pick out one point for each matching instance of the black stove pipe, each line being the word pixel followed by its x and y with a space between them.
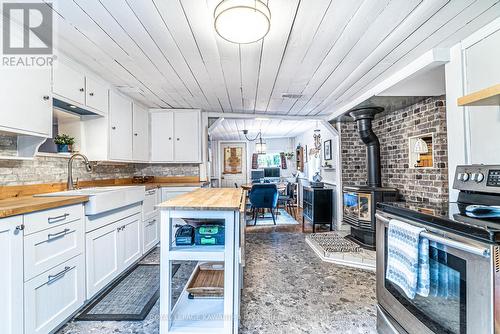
pixel 363 118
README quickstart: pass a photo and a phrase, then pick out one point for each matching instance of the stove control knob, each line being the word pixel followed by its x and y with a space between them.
pixel 465 177
pixel 479 177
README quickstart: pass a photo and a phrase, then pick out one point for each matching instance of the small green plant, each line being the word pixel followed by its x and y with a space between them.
pixel 64 139
pixel 289 155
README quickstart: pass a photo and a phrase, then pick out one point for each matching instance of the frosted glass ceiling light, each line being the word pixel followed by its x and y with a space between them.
pixel 242 21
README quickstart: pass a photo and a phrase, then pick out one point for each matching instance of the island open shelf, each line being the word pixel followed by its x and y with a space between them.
pixel 202 315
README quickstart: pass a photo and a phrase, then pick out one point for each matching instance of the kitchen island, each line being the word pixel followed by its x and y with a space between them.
pixel 202 315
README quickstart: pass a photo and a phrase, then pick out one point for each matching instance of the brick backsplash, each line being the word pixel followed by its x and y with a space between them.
pixel 47 169
pixel 393 130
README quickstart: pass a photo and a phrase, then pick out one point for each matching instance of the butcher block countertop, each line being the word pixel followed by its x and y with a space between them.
pixel 212 199
pixel 19 205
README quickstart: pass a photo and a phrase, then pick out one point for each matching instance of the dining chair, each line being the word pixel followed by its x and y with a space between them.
pixel 287 200
pixel 263 196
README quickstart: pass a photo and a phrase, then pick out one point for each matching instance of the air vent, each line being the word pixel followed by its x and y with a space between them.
pixel 496 258
pixel 291 96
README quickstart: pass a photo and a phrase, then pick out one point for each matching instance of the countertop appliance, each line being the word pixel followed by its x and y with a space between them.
pixel 464 261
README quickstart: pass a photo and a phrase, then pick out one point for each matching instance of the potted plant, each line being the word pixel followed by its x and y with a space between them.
pixel 64 142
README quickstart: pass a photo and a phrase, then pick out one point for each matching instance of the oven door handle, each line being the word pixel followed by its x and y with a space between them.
pixel 484 252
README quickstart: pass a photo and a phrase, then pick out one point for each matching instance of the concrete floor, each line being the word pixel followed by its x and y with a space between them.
pixel 287 289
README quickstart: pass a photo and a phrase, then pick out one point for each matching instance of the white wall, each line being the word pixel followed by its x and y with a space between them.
pixel 473 132
pixel 314 164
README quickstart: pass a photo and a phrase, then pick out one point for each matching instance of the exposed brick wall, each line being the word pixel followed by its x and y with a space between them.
pixel 393 130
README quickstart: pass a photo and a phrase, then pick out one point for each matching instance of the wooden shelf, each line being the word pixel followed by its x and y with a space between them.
pixel 486 97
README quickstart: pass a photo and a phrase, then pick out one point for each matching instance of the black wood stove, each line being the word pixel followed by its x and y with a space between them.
pixel 360 200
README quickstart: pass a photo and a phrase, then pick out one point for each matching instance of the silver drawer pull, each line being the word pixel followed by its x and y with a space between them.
pixel 52 236
pixel 151 222
pixel 53 278
pixel 58 218
pixel 151 192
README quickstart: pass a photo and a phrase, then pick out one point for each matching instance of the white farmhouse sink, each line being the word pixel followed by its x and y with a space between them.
pixel 102 199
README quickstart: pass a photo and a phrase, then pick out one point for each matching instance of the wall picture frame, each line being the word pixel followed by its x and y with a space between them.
pixel 327 149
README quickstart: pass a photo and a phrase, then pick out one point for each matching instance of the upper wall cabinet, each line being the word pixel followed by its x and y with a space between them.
pixel 68 83
pixel 176 135
pixel 73 85
pixel 140 129
pixel 120 127
pixel 26 101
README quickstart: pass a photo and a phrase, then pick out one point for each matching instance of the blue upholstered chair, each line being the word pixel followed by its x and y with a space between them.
pixel 263 196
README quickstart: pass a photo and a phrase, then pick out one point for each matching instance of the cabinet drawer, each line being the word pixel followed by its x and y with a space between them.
pixel 150 200
pixel 150 233
pixel 49 248
pixel 42 220
pixel 53 296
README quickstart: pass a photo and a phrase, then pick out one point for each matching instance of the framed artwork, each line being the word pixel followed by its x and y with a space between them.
pixel 327 149
pixel 233 160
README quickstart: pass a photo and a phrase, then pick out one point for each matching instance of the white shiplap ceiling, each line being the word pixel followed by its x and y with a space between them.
pixel 166 53
pixel 232 128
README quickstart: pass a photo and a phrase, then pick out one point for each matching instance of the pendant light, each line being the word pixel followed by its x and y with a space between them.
pixel 260 146
pixel 242 21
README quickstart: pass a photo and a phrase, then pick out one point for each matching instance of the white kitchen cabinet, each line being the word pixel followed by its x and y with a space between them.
pixel 151 233
pixel 120 127
pixel 130 241
pixel 11 279
pixel 140 125
pixel 171 192
pixel 121 242
pixel 187 144
pixel 68 83
pixel 102 269
pixel 96 95
pixel 51 297
pixel 151 199
pixel 48 248
pixel 26 101
pixel 176 136
pixel 162 136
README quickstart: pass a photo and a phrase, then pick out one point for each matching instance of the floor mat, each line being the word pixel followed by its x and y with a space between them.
pixel 284 218
pixel 130 298
pixel 333 247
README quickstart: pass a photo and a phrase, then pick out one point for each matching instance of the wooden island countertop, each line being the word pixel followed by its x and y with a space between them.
pixel 20 205
pixel 211 199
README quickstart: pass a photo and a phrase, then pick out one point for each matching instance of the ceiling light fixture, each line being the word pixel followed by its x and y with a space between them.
pixel 242 21
pixel 260 146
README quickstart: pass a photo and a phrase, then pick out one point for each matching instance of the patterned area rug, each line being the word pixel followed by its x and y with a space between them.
pixel 332 242
pixel 131 298
pixel 284 218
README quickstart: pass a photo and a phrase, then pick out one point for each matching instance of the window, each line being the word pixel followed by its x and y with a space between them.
pixel 269 160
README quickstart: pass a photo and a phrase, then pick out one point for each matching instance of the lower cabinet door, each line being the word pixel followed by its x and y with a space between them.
pixel 11 277
pixel 102 257
pixel 151 233
pixel 130 241
pixel 53 296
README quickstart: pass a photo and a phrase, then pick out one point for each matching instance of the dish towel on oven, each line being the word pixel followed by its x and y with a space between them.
pixel 408 258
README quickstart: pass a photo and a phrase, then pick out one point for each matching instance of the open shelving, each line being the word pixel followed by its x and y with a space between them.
pixel 485 97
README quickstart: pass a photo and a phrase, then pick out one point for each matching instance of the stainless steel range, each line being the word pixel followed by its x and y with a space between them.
pixel 464 259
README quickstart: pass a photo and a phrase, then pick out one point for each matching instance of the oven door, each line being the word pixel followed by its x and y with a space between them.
pixel 460 299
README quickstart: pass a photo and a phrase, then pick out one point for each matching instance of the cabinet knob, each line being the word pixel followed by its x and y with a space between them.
pixel 169 138
pixel 135 134
pixel 46 97
pixel 20 227
pixel 91 94
pixel 113 127
pixel 178 139
pixel 81 89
